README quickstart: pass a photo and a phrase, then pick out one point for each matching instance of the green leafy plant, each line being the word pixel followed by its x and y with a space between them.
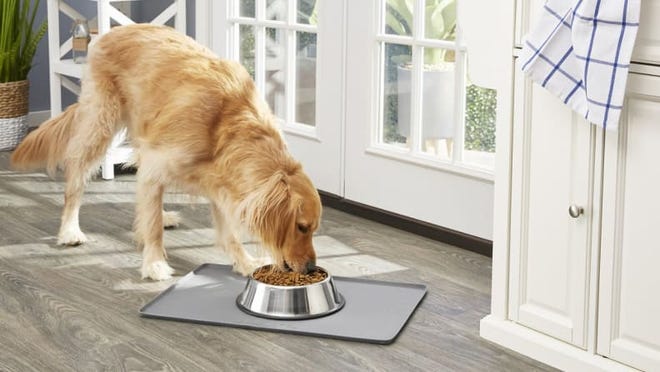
pixel 18 39
pixel 480 117
pixel 308 12
pixel 439 21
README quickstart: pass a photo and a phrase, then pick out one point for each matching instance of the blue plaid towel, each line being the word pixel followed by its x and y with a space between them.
pixel 580 50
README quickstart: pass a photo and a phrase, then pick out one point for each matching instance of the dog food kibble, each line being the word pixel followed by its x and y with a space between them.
pixel 273 276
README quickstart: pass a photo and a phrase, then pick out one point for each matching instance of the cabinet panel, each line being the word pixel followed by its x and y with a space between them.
pixel 629 306
pixel 647 45
pixel 552 168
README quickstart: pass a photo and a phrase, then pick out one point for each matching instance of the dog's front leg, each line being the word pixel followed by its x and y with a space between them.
pixel 77 172
pixel 242 261
pixel 70 233
pixel 149 229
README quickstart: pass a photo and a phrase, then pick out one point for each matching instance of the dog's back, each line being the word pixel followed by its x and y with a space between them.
pixel 171 92
pixel 178 99
pixel 168 81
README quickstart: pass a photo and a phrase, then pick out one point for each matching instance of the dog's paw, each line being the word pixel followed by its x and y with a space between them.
pixel 71 237
pixel 157 270
pixel 171 219
pixel 247 267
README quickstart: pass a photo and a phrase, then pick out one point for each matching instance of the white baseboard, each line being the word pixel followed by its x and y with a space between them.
pixel 35 118
pixel 544 348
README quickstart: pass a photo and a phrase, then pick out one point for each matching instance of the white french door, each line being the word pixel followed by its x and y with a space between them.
pixel 294 53
pixel 414 104
pixel 389 103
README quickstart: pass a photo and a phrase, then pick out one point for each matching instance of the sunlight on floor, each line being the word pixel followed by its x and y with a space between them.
pixel 117 251
pixel 7 199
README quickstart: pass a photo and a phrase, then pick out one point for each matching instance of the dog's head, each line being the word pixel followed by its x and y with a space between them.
pixel 284 212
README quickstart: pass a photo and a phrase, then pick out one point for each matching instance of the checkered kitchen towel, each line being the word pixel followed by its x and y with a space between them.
pixel 580 50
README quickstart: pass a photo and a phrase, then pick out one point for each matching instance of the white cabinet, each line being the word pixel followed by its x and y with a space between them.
pixel 552 169
pixel 629 297
pixel 582 291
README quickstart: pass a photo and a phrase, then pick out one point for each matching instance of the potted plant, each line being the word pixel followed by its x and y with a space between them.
pixel 438 88
pixel 18 43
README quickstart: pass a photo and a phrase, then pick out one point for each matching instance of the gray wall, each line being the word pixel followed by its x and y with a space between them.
pixel 38 75
pixel 142 11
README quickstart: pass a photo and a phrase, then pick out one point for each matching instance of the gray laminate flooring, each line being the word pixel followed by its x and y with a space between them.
pixel 75 309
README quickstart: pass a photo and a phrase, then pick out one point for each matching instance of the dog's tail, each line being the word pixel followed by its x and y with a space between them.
pixel 46 146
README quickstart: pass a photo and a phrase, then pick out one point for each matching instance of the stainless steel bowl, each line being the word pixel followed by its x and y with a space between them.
pixel 290 302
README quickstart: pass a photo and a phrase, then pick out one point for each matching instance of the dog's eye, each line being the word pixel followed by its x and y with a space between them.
pixel 303 228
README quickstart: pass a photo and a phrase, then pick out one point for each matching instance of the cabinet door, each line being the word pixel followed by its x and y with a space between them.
pixel 647 46
pixel 552 169
pixel 629 297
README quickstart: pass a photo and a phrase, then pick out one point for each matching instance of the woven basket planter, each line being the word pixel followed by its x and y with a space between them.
pixel 13 113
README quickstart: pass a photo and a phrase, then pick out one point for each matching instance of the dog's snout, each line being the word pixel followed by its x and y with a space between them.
pixel 310 266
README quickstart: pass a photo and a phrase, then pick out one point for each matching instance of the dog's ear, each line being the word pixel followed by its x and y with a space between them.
pixel 269 211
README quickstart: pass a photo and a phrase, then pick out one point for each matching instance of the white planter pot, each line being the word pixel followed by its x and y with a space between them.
pixel 12 131
pixel 437 105
pixel 13 113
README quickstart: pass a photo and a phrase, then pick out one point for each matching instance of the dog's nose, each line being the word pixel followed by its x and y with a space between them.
pixel 310 266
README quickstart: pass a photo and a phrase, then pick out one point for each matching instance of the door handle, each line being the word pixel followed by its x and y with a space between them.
pixel 575 211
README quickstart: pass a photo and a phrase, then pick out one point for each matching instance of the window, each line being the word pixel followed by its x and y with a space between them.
pixel 429 109
pixel 276 41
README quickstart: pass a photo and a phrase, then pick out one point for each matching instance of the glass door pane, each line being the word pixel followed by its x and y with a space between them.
pixel 438 109
pixel 399 17
pixel 305 78
pixel 306 12
pixel 278 48
pixel 397 99
pixel 480 117
pixel 440 19
pixel 246 48
pixel 276 10
pixel 276 70
pixel 247 8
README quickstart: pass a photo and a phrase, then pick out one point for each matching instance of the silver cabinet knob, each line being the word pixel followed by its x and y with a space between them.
pixel 575 211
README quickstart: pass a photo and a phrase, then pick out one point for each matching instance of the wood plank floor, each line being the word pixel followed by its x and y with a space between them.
pixel 75 309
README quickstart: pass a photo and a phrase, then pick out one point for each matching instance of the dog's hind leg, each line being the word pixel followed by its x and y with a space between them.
pixel 96 121
pixel 242 261
pixel 149 228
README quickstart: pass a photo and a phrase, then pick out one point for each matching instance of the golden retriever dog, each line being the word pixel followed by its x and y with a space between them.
pixel 196 124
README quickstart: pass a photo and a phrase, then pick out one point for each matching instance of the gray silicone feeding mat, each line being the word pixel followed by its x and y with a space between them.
pixel 375 311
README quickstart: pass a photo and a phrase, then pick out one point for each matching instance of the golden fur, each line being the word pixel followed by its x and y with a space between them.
pixel 196 123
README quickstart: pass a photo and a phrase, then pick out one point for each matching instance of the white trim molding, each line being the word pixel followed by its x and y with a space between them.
pixel 203 22
pixel 544 348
